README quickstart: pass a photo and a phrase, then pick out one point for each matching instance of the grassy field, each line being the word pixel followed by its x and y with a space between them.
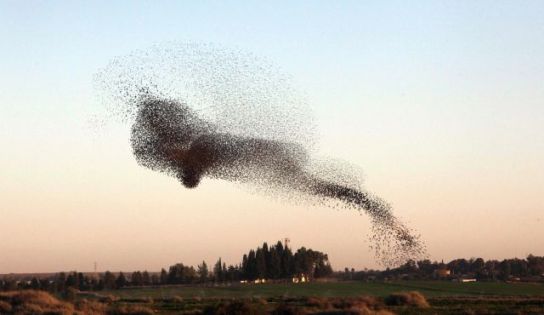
pixel 338 298
pixel 443 297
pixel 337 289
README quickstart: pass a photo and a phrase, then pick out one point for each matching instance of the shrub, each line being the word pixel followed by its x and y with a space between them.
pixel 318 302
pixel 127 309
pixel 260 301
pixel 34 302
pixel 412 298
pixel 363 310
pixel 355 311
pixel 70 294
pixel 284 309
pixel 90 307
pixel 143 300
pixel 109 299
pixel 233 308
pixel 5 307
pixel 177 299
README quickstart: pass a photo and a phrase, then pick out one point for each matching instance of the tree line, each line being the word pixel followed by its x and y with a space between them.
pixel 531 269
pixel 265 262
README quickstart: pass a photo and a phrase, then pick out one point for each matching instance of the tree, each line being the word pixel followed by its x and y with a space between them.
pixel 260 263
pixel 136 279
pixel 35 283
pixel 287 268
pixel 267 260
pixel 218 271
pixel 60 282
pixel 505 269
pixel 274 266
pixel 203 272
pixel 71 280
pixel 155 279
pixel 425 268
pixel 224 272
pixel 164 277
pixel 491 268
pixel 233 273
pixel 245 267
pixel 121 281
pixel 459 266
pixel 322 266
pixel 535 265
pixel 180 273
pixel 477 267
pixel 146 279
pixel 109 280
pixel 251 265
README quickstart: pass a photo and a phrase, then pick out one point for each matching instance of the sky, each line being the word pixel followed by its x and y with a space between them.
pixel 440 103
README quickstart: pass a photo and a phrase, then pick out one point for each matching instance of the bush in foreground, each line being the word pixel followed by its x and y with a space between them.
pixel 412 298
pixel 33 302
pixel 237 307
pixel 284 309
pixel 90 307
pixel 41 302
pixel 320 303
pixel 128 309
pixel 5 307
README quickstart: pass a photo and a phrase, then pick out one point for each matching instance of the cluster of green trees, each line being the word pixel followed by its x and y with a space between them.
pixel 530 268
pixel 279 262
pixel 275 262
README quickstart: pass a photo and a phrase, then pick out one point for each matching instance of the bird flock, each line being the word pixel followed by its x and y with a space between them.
pixel 201 111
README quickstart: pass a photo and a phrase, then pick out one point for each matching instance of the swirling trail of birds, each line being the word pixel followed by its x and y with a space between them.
pixel 202 111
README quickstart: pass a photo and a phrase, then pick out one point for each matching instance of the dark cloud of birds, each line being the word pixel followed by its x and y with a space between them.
pixel 201 111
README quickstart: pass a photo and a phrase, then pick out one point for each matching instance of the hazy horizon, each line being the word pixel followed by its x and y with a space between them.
pixel 439 103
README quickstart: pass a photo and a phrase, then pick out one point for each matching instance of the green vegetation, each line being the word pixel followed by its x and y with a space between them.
pixel 336 289
pixel 345 297
pixel 280 264
pixel 511 286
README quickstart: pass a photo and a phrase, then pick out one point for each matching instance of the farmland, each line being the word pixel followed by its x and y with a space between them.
pixel 344 297
pixel 337 289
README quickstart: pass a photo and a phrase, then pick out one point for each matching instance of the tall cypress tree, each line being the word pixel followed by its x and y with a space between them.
pixel 252 265
pixel 274 266
pixel 287 263
pixel 260 263
pixel 245 267
pixel 218 271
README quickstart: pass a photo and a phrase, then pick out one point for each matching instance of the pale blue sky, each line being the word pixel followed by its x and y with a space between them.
pixel 441 103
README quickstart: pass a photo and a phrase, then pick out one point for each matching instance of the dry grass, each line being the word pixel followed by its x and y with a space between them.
pixel 357 302
pixel 34 302
pixel 5 307
pixel 128 309
pixel 320 303
pixel 363 305
pixel 412 298
pixel 284 309
pixel 260 301
pixel 177 299
pixel 109 299
pixel 236 307
pixel 90 307
pixel 363 310
pixel 355 311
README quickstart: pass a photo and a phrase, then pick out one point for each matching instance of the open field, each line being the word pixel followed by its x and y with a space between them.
pixel 354 298
pixel 337 289
pixel 344 298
